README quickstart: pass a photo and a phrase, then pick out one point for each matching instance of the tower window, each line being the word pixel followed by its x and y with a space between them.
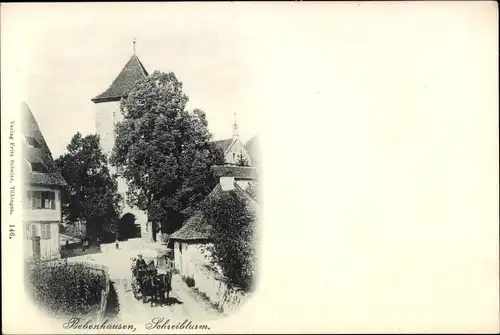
pixel 38 167
pixel 32 142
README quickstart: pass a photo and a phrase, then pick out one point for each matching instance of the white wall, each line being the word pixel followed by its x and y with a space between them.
pixel 192 255
pixel 105 122
pixel 42 214
pixel 49 248
pixel 194 262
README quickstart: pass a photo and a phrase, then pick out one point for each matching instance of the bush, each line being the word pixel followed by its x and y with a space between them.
pixel 189 281
pixel 233 226
pixel 65 289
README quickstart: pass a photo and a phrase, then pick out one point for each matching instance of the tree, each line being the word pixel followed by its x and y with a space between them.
pixel 241 160
pixel 91 194
pixel 164 151
pixel 233 226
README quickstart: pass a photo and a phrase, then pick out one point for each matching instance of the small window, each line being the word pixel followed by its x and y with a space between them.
pixel 41 200
pixel 32 142
pixel 180 247
pixel 33 231
pixel 234 156
pixel 38 167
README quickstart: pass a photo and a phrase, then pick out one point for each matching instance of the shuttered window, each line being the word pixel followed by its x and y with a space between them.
pixel 45 231
pixel 33 231
pixel 41 200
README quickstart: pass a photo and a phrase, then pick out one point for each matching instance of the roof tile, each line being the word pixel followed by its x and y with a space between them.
pixel 130 74
pixel 38 155
pixel 223 144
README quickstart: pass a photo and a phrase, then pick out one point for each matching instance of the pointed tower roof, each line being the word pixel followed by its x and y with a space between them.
pixel 36 152
pixel 132 72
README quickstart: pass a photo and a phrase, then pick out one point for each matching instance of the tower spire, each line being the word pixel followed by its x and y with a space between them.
pixel 235 128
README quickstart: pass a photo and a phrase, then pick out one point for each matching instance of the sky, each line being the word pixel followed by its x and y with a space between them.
pixel 378 124
pixel 73 53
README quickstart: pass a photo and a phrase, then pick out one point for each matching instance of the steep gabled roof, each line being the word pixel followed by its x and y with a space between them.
pixel 132 72
pixel 39 153
pixel 196 228
pixel 224 145
pixel 252 148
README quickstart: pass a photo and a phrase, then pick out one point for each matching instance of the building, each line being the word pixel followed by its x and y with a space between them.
pixel 233 148
pixel 42 194
pixel 107 115
pixel 191 240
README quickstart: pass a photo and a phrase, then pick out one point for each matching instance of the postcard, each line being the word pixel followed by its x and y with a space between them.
pixel 260 167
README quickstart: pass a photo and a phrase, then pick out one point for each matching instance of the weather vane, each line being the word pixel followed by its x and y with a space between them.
pixel 134 44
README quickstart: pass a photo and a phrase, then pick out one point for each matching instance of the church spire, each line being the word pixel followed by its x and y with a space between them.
pixel 235 128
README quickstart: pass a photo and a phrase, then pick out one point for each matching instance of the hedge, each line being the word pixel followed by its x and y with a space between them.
pixel 65 289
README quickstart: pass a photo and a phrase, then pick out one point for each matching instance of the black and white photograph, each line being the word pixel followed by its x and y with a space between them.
pixel 260 167
pixel 135 206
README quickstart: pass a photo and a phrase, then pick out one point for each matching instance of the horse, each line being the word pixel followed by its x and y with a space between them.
pixel 150 286
pixel 165 286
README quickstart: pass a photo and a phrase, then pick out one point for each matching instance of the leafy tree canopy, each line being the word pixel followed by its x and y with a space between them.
pixel 164 151
pixel 91 194
pixel 233 229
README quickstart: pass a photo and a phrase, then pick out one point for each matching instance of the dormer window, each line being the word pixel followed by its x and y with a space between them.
pixel 32 142
pixel 38 167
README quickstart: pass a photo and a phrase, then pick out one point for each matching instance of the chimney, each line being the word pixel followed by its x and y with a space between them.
pixel 227 183
pixel 229 174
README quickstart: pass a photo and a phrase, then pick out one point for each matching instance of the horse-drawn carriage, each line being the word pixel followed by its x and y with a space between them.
pixel 152 280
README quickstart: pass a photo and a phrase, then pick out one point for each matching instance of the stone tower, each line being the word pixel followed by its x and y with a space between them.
pixel 107 115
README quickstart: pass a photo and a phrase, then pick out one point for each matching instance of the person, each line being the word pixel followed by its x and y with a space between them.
pixel 140 263
pixel 67 245
pixel 116 243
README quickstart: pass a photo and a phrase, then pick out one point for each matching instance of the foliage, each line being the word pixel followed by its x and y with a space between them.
pixel 165 151
pixel 91 194
pixel 233 225
pixel 65 289
pixel 241 160
pixel 189 281
pixel 73 230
